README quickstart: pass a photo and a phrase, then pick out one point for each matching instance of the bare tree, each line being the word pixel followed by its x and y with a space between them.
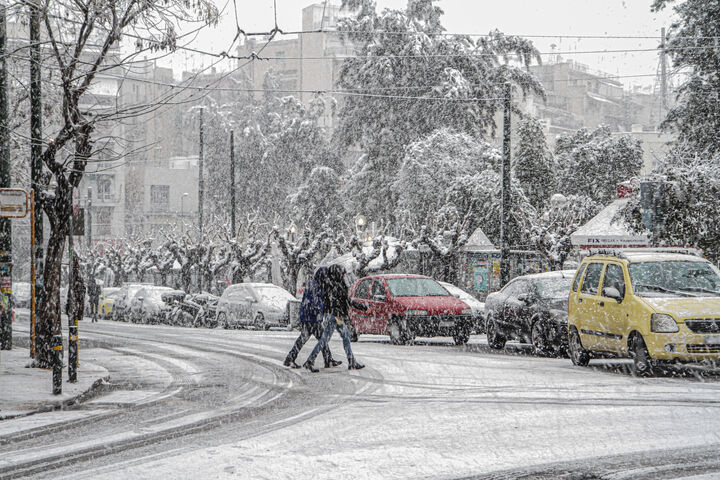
pixel 84 38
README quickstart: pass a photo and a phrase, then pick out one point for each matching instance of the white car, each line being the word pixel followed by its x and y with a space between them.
pixel 477 307
pixel 149 305
pixel 262 305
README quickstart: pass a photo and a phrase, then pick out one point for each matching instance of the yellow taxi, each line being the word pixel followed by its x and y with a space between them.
pixel 653 306
pixel 107 300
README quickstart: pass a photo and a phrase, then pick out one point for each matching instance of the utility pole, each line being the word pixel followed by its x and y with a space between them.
pixel 36 156
pixel 663 72
pixel 201 185
pixel 5 224
pixel 201 182
pixel 72 321
pixel 506 201
pixel 233 232
pixel 88 213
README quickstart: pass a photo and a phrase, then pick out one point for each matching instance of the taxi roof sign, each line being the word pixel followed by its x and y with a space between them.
pixel 13 203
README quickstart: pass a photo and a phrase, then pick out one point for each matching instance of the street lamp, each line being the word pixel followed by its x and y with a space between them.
pixel 182 211
pixel 360 224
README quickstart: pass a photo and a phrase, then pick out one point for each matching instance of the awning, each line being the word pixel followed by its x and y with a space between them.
pixel 602 231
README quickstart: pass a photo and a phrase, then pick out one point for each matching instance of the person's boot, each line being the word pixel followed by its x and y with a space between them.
pixel 310 367
pixel 333 363
pixel 355 365
pixel 290 363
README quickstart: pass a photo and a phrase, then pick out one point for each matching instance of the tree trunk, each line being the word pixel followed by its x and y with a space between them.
pixel 48 320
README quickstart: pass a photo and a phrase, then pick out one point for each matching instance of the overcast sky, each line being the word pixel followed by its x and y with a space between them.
pixel 521 17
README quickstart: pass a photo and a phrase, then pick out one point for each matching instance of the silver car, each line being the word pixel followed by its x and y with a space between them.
pixel 262 305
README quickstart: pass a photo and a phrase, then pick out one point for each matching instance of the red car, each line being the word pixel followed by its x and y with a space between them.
pixel 403 306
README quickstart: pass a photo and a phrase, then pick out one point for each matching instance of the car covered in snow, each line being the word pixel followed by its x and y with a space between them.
pixel 531 309
pixel 121 303
pixel 404 306
pixel 152 304
pixel 477 307
pixel 262 305
pixel 21 294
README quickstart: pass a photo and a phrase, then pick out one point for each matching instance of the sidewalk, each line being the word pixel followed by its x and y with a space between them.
pixel 24 391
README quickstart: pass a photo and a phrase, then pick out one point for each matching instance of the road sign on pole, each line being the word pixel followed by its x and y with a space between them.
pixel 13 203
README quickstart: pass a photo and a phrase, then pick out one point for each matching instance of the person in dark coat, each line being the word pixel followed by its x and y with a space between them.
pixel 336 304
pixel 78 293
pixel 311 317
pixel 93 297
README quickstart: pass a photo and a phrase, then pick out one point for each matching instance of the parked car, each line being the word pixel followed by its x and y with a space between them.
pixel 21 294
pixel 654 306
pixel 477 307
pixel 262 305
pixel 121 303
pixel 107 299
pixel 531 309
pixel 404 306
pixel 151 304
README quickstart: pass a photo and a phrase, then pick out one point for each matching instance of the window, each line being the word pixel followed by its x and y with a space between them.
pixel 614 278
pixel 159 197
pixel 592 279
pixel 378 289
pixel 576 283
pixel 416 287
pixel 362 289
pixel 513 289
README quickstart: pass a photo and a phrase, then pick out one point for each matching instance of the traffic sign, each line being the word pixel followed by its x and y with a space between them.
pixel 13 203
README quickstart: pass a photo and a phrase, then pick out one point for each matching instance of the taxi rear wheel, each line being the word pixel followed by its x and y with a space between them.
pixel 643 364
pixel 578 354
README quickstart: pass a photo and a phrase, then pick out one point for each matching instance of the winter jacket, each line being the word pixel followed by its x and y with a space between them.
pixel 336 299
pixel 312 303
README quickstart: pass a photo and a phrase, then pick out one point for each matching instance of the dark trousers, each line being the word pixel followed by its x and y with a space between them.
pixel 94 308
pixel 308 330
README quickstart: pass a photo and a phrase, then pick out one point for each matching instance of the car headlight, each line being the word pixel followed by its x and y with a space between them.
pixel 663 323
pixel 467 311
pixel 416 312
pixel 559 315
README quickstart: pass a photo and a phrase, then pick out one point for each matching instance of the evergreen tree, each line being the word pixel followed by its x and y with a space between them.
pixel 693 46
pixel 533 163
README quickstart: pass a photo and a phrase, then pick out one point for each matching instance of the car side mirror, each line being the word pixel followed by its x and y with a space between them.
pixel 456 296
pixel 249 299
pixel 612 292
pixel 525 298
pixel 140 298
pixel 379 298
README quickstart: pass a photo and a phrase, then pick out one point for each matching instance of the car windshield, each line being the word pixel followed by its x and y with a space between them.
pixel 416 287
pixel 557 287
pixel 273 295
pixel 676 278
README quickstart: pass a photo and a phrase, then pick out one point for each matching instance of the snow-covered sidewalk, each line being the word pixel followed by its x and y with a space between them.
pixel 24 391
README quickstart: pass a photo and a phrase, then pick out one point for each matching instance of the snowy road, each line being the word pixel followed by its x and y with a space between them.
pixel 218 404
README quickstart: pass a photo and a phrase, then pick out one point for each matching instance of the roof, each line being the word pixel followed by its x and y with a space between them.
pixel 602 230
pixel 651 256
pixel 396 275
pixel 478 241
pixel 553 274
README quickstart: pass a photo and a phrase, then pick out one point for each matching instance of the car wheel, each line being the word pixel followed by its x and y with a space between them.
pixel 461 337
pixel 259 322
pixel 539 339
pixel 399 332
pixel 578 354
pixel 395 332
pixel 643 364
pixel 223 321
pixel 495 338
